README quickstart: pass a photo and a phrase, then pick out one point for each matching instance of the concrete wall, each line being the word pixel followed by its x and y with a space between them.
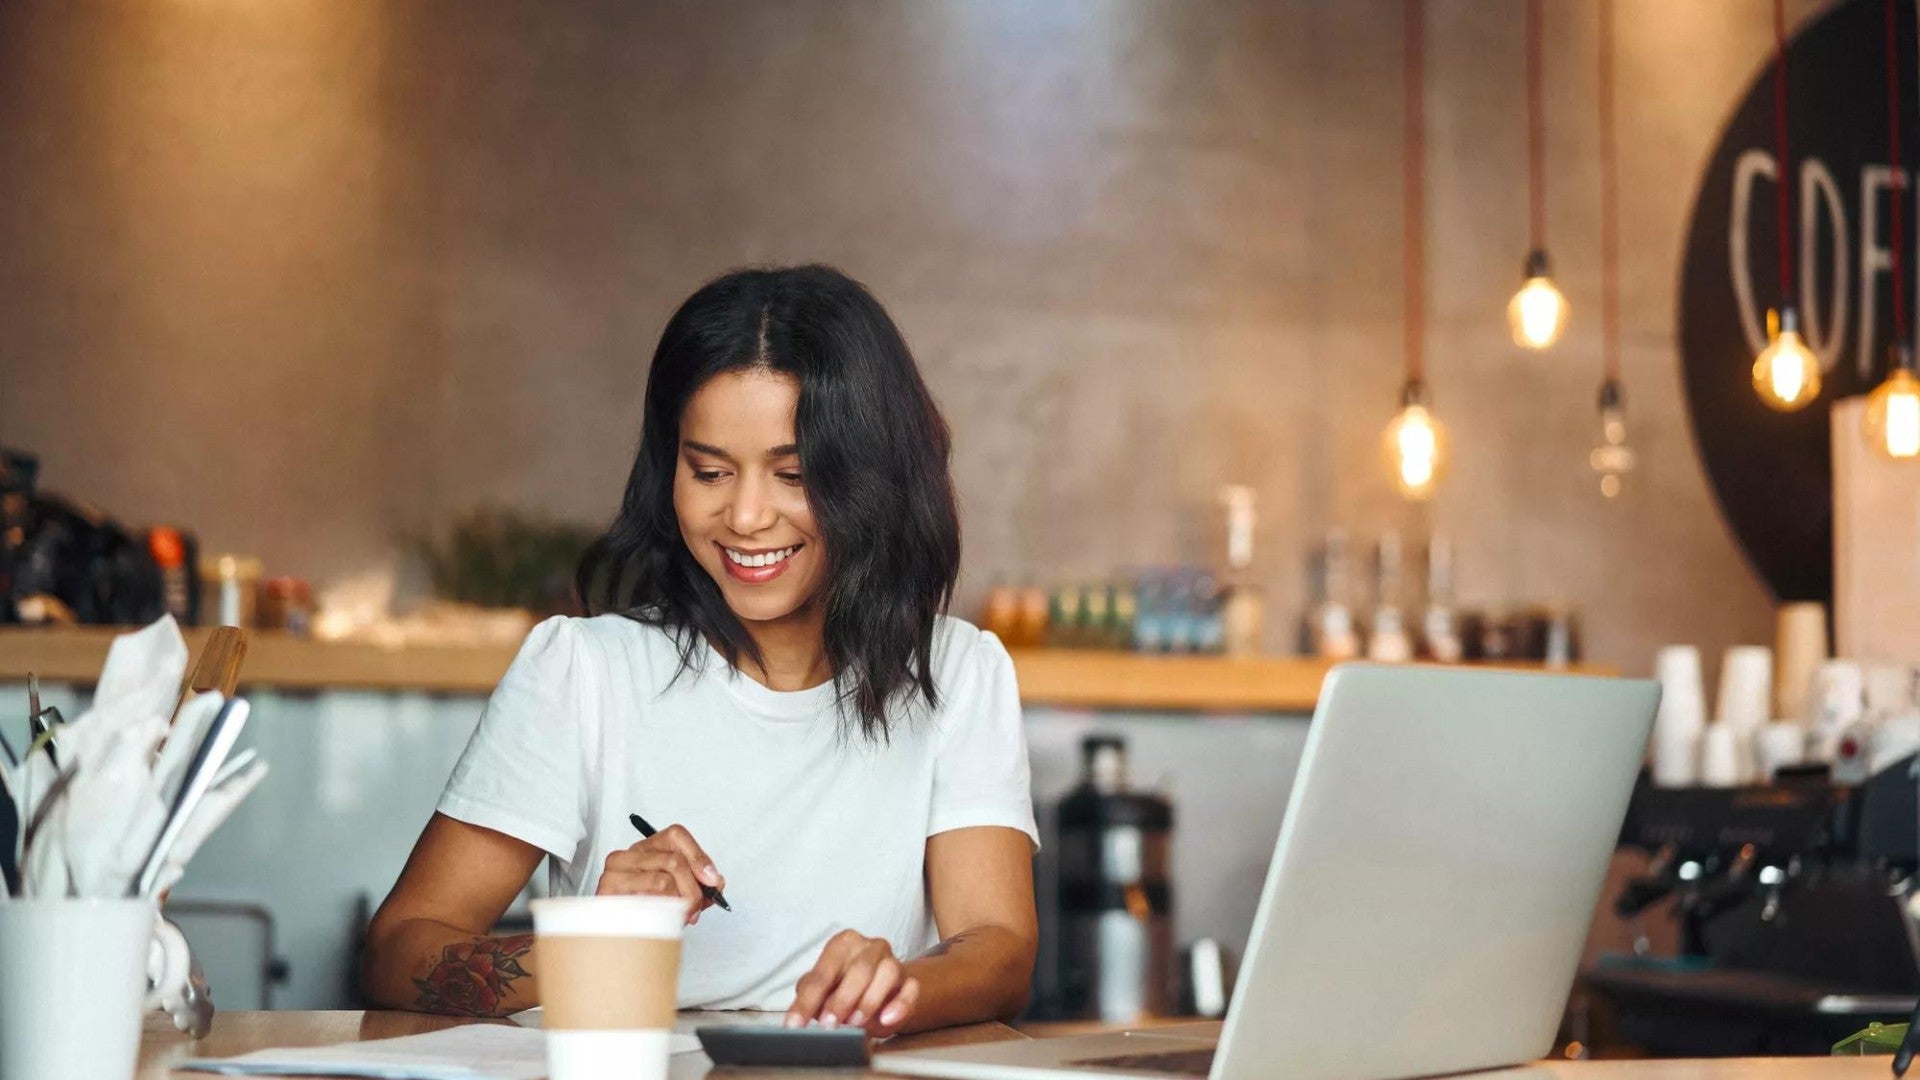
pixel 303 275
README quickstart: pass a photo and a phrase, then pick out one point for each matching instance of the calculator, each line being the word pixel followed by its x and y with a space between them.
pixel 772 1045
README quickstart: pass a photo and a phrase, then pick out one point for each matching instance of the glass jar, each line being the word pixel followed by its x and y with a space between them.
pixel 229 585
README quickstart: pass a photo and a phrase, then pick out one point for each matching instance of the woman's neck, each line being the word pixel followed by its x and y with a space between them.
pixel 793 651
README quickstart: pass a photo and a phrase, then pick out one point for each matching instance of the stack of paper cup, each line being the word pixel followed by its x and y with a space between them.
pixel 1746 701
pixel 1800 647
pixel 1889 691
pixel 1835 702
pixel 1782 744
pixel 1682 715
pixel 1861 748
pixel 1724 755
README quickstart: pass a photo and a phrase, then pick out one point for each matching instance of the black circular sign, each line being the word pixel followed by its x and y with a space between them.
pixel 1771 471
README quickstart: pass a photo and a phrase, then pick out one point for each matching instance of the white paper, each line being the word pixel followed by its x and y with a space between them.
pixel 91 841
pixel 143 671
pixel 466 1052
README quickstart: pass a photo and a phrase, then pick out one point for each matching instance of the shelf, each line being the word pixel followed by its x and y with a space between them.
pixel 1073 678
pixel 274 659
pixel 1060 678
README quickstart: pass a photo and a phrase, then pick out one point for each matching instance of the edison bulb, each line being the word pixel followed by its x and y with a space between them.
pixel 1538 313
pixel 1613 459
pixel 1416 448
pixel 1892 420
pixel 1787 374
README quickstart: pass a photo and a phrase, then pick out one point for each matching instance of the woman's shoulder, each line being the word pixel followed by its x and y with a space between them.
pixel 962 650
pixel 565 645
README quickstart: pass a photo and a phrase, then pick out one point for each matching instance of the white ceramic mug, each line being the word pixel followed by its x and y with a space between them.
pixel 77 982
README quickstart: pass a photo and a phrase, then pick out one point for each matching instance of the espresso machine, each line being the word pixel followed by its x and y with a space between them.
pixel 1797 910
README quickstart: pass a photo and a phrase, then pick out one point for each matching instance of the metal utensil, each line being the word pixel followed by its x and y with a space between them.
pixel 207 759
pixel 40 730
pixel 9 838
pixel 37 720
pixel 199 1002
pixel 215 807
pixel 10 832
pixel 234 767
pixel 54 791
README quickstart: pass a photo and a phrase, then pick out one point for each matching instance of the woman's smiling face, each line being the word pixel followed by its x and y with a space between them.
pixel 740 496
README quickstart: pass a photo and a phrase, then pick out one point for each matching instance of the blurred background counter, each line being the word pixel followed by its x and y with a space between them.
pixel 363 736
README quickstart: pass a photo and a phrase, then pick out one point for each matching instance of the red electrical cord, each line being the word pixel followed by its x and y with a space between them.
pixel 1414 213
pixel 1784 174
pixel 1898 182
pixel 1536 135
pixel 1609 206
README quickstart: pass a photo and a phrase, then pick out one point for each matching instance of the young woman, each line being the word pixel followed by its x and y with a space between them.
pixel 778 682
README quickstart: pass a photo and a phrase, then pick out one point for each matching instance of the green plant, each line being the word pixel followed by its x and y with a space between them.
pixel 496 557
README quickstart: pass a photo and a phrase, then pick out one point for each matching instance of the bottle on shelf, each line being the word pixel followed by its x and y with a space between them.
pixel 1332 631
pixel 1242 601
pixel 1065 616
pixel 1032 619
pixel 1000 614
pixel 177 556
pixel 1439 624
pixel 1389 640
pixel 1125 609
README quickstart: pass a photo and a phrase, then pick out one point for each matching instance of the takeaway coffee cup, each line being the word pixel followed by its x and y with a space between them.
pixel 609 972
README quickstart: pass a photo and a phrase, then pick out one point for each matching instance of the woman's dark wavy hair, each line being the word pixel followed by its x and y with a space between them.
pixel 873 452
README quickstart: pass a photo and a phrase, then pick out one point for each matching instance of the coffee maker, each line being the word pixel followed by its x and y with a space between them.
pixel 1798 912
pixel 1113 957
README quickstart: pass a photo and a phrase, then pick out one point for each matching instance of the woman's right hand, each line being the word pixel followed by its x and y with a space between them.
pixel 668 863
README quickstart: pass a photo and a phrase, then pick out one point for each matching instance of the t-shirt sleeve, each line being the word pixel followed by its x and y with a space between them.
pixel 981 776
pixel 521 771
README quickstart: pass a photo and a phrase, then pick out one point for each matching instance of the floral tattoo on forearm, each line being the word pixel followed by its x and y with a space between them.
pixel 472 977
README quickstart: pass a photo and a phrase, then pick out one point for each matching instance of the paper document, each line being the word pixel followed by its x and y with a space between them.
pixel 467 1052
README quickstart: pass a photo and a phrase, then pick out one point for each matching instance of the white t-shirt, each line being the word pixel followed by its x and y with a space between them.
pixel 815 827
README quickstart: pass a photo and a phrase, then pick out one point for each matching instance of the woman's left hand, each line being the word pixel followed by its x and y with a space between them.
pixel 858 982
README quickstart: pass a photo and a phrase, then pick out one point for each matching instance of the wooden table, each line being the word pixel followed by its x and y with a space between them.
pixel 240 1032
pixel 1777 1068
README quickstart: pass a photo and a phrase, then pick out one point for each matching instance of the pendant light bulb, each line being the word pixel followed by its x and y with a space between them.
pixel 1786 374
pixel 1538 313
pixel 1892 420
pixel 1416 445
pixel 1613 459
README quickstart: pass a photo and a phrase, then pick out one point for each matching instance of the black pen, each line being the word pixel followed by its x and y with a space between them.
pixel 1904 1056
pixel 709 891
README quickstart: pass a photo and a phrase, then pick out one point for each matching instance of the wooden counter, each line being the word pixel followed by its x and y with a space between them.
pixel 1068 678
pixel 240 1032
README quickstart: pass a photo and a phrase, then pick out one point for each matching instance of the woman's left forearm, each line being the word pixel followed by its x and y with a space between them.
pixel 978 974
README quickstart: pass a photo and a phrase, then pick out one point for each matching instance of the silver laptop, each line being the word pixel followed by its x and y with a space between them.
pixel 1443 848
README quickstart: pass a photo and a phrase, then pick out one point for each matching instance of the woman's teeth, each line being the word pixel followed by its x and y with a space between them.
pixel 767 559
